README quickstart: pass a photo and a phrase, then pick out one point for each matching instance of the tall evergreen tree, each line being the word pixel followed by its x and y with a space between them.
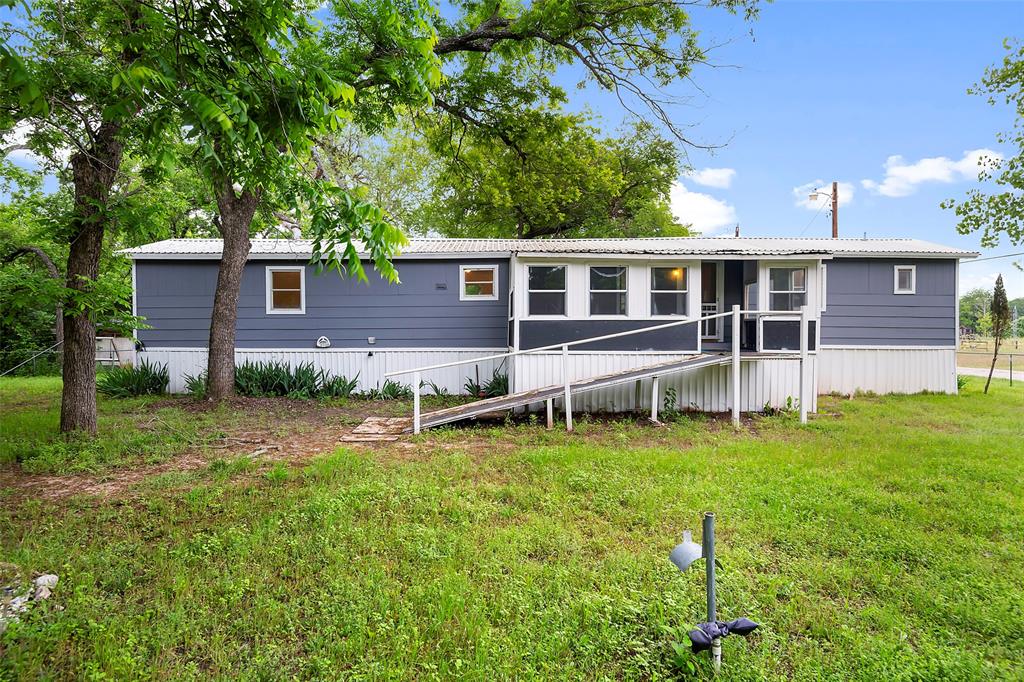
pixel 1000 312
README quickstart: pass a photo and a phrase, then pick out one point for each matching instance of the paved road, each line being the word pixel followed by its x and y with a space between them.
pixel 1018 375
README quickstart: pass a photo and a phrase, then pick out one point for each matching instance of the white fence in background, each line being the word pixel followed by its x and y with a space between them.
pixel 370 368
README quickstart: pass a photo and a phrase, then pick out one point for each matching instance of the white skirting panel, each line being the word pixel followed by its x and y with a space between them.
pixel 887 370
pixel 349 363
pixel 770 381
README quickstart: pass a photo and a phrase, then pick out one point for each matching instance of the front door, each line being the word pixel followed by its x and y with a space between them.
pixel 709 299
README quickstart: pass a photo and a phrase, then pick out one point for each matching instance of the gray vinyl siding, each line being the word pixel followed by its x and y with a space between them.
pixel 424 311
pixel 539 333
pixel 862 310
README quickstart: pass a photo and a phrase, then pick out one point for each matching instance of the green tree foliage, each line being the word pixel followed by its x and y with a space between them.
pixel 253 85
pixel 63 64
pixel 1001 211
pixel 254 96
pixel 394 170
pixel 973 305
pixel 29 293
pixel 560 180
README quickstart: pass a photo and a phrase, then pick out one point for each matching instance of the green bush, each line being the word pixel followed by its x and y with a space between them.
pixel 127 382
pixel 196 386
pixel 471 387
pixel 264 379
pixel 391 390
pixel 439 391
pixel 496 385
pixel 338 387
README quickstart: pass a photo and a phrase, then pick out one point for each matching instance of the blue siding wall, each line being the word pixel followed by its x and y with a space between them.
pixel 862 309
pixel 424 311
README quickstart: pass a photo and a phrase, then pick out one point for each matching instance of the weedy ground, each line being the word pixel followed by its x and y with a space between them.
pixel 883 541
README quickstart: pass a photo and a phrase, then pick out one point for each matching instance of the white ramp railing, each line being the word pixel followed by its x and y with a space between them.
pixel 736 314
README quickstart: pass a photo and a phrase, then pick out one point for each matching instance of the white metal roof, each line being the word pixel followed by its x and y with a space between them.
pixel 681 246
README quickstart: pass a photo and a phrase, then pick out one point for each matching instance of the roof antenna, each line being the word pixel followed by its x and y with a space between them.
pixel 737 230
pixel 865 234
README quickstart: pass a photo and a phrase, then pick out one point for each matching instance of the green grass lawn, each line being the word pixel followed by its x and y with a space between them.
pixel 883 541
pixel 130 431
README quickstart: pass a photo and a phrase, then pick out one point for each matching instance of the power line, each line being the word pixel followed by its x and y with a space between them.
pixel 813 217
pixel 978 260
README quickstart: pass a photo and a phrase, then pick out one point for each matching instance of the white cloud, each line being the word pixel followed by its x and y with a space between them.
pixel 18 136
pixel 704 212
pixel 902 178
pixel 801 194
pixel 719 178
pixel 983 276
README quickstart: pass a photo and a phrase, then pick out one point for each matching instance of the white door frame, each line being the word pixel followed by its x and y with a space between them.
pixel 719 299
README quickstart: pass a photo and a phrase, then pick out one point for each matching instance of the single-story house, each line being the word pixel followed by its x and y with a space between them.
pixel 881 314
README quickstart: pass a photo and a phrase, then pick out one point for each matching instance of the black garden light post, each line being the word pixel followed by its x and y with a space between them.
pixel 708 635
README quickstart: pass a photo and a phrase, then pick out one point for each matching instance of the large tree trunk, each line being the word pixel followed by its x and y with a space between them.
pixel 235 217
pixel 94 175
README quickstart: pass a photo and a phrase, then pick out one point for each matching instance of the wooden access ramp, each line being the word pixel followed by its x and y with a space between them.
pixel 538 395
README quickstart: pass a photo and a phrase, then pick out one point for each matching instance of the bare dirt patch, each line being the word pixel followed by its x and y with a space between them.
pixel 271 430
pixel 264 429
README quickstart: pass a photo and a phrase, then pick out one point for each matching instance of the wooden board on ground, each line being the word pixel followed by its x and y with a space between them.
pixel 378 429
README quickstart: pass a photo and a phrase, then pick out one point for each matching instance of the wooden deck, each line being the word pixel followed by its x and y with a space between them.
pixel 537 395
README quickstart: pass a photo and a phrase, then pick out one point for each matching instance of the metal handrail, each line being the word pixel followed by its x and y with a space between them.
pixel 593 339
pixel 735 313
pixel 22 364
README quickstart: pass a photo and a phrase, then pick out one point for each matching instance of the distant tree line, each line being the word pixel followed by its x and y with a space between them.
pixel 976 313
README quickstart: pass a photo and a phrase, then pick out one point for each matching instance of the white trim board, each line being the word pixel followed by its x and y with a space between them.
pixel 314 349
pixel 849 347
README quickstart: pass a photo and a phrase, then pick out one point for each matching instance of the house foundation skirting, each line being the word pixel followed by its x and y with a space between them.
pixel 369 366
pixel 771 381
pixel 848 369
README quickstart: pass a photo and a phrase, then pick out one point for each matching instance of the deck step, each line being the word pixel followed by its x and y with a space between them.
pixel 536 395
pixel 378 429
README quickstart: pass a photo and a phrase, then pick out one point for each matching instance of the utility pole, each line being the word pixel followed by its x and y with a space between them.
pixel 835 210
pixel 818 195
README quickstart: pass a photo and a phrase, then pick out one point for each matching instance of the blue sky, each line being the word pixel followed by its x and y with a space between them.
pixel 830 91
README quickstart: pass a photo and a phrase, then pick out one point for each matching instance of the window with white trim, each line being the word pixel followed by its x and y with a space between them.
pixel 787 288
pixel 478 283
pixel 668 291
pixel 904 279
pixel 608 290
pixel 286 290
pixel 546 289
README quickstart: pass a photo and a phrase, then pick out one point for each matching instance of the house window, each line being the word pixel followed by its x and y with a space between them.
pixel 608 289
pixel 546 288
pixel 904 279
pixel 787 288
pixel 286 290
pixel 668 291
pixel 478 283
